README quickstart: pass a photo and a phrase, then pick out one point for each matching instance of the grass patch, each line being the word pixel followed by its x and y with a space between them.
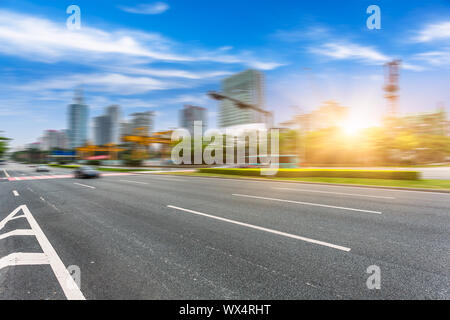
pixel 321 173
pixel 418 184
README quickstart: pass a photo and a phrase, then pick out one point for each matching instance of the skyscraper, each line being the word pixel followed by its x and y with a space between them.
pixel 248 87
pixel 189 114
pixel 107 126
pixel 102 130
pixel 142 123
pixel 113 113
pixel 78 114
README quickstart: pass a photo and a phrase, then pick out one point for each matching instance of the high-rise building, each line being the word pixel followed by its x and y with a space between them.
pixel 113 113
pixel 78 114
pixel 107 127
pixel 53 139
pixel 141 123
pixel 102 130
pixel 189 114
pixel 248 87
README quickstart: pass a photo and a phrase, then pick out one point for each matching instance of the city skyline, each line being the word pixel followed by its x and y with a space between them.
pixel 143 62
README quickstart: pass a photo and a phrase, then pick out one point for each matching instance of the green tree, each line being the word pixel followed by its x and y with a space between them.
pixel 3 145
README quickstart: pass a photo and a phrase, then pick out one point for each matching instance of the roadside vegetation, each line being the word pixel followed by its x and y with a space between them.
pixel 415 184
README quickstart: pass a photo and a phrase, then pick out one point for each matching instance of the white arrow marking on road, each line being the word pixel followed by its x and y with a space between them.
pixel 49 256
pixel 10 217
pixel 20 259
pixel 18 232
pixel 293 236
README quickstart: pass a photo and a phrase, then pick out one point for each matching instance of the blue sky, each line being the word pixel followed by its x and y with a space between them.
pixel 159 55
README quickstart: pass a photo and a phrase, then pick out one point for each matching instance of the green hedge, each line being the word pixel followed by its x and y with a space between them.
pixel 328 173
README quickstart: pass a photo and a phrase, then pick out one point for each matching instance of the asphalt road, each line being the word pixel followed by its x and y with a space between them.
pixel 149 236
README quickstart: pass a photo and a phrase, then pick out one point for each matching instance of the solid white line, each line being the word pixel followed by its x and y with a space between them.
pixel 138 182
pixel 6 173
pixel 306 203
pixel 293 236
pixel 18 258
pixel 83 185
pixel 16 194
pixel 18 232
pixel 339 193
pixel 65 280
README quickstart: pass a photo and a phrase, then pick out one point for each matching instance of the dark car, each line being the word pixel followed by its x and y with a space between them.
pixel 86 172
pixel 42 169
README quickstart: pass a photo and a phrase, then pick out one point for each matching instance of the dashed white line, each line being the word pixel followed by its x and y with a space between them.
pixel 168 179
pixel 293 236
pixel 306 203
pixel 138 182
pixel 84 185
pixel 339 193
pixel 16 194
pixel 6 173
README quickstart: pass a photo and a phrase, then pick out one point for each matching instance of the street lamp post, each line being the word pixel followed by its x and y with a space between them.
pixel 240 104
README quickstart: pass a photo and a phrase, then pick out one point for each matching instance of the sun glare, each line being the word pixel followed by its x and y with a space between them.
pixel 354 125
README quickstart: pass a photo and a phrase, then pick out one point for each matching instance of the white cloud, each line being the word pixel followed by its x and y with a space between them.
pixel 172 73
pixel 150 8
pixel 40 39
pixel 343 51
pixel 112 83
pixel 435 58
pixel 365 54
pixel 432 32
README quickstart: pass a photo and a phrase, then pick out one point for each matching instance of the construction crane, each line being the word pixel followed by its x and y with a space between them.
pixel 90 150
pixel 391 86
pixel 141 141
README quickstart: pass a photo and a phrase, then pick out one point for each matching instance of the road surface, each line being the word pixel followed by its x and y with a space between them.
pixel 148 236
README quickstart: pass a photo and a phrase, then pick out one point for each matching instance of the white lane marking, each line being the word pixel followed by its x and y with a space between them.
pixel 306 203
pixel 293 236
pixel 10 217
pixel 6 173
pixel 138 182
pixel 65 280
pixel 167 178
pixel 16 194
pixel 83 185
pixel 18 259
pixel 42 198
pixel 18 232
pixel 339 193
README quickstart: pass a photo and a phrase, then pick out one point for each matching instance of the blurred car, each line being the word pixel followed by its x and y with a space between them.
pixel 42 169
pixel 86 172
